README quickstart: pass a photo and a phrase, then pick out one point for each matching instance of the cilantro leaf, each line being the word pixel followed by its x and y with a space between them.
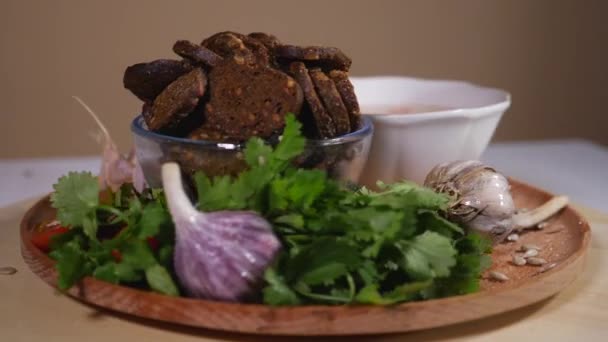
pixel 72 264
pixel 431 220
pixel 160 280
pixel 76 195
pixel 257 152
pixel 89 226
pixel 371 295
pixel 106 272
pixel 137 253
pixel 277 292
pixel 428 255
pixel 292 142
pixel 214 195
pixel 292 220
pixel 408 194
pixel 322 261
pixel 153 216
pixel 297 191
pixel 114 272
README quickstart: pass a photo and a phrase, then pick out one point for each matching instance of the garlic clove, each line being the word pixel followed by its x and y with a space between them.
pixel 219 255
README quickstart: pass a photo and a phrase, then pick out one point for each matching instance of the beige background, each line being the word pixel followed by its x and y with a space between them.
pixel 552 56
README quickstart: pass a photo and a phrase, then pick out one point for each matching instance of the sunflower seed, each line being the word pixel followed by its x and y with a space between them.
pixel 547 267
pixel 531 253
pixel 518 260
pixel 536 261
pixel 499 276
pixel 541 225
pixel 7 270
pixel 513 237
pixel 526 247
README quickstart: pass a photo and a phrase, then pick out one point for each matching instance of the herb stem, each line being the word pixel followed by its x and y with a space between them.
pixel 119 214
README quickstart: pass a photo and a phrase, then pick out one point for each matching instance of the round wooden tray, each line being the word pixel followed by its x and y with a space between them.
pixel 564 242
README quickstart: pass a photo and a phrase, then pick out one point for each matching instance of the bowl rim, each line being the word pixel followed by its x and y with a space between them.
pixel 138 128
pixel 466 112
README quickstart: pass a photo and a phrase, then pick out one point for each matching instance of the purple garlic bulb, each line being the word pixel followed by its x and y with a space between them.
pixel 219 255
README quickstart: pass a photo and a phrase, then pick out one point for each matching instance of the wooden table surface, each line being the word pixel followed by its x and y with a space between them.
pixel 30 310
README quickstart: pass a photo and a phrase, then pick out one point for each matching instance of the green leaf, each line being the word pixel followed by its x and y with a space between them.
pixel 165 255
pixel 153 216
pixel 89 226
pixel 214 195
pixel 370 294
pixel 257 153
pixel 335 296
pixel 298 191
pixel 428 255
pixel 137 254
pixel 474 243
pixel 72 264
pixel 368 273
pixel 76 195
pixel 323 261
pixel 127 273
pixel 324 273
pixel 292 142
pixel 409 194
pixel 276 291
pixel 292 220
pixel 160 280
pixel 106 272
pixel 431 220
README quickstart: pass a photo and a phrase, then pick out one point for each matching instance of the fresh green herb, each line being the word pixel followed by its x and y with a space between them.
pixel 112 243
pixel 340 245
pixel 76 196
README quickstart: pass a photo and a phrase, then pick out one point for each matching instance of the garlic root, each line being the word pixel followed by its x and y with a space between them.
pixel 533 217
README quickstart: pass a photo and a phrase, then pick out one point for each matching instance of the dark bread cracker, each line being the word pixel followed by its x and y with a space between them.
pixel 269 41
pixel 241 48
pixel 147 80
pixel 205 132
pixel 326 89
pixel 196 53
pixel 248 100
pixel 177 100
pixel 328 58
pixel 347 92
pixel 323 122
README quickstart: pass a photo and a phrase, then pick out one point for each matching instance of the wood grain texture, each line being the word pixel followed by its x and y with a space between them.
pixel 564 242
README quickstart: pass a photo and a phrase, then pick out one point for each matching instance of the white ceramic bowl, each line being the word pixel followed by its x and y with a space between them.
pixel 455 121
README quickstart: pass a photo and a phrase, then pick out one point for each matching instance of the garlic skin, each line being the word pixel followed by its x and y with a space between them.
pixel 219 255
pixel 116 168
pixel 481 196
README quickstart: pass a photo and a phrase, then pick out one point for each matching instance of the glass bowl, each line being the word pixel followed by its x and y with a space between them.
pixel 343 157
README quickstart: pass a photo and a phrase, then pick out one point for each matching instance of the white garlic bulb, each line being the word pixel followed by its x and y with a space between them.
pixel 482 199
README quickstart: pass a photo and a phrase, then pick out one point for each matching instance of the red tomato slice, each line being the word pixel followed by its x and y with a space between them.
pixel 42 239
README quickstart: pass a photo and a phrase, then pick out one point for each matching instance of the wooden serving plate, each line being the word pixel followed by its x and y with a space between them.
pixel 564 242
